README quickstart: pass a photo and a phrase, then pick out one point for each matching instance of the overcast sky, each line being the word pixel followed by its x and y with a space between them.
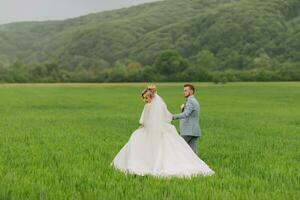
pixel 33 10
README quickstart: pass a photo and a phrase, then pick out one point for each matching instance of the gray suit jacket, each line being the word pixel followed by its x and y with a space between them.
pixel 189 118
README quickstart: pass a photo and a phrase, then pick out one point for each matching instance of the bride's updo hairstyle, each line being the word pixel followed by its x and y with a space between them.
pixel 150 91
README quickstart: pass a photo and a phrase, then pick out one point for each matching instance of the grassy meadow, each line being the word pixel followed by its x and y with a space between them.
pixel 57 141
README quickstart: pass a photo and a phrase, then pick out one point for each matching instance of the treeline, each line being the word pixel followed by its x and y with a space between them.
pixel 236 32
pixel 169 66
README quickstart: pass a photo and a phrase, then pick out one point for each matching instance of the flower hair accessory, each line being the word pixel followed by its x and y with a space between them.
pixel 152 88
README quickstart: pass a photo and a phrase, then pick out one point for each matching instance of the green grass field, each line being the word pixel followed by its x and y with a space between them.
pixel 57 141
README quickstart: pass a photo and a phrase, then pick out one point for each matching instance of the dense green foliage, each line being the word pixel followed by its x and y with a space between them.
pixel 57 141
pixel 168 67
pixel 208 35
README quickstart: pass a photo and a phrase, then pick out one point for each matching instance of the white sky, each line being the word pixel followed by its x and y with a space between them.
pixel 37 10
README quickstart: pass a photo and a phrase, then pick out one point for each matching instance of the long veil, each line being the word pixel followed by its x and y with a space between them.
pixel 156 114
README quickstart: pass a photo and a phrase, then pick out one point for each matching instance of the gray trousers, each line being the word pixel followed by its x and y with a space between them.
pixel 192 141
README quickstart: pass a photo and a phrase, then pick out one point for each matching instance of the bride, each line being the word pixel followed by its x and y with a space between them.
pixel 156 148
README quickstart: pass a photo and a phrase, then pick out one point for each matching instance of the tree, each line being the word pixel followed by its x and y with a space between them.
pixel 170 62
pixel 18 72
pixel 263 61
pixel 133 71
pixel 206 59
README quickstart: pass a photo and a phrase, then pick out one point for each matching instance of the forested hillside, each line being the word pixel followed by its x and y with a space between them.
pixel 172 40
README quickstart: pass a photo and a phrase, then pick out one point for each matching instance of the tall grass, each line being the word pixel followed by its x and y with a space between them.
pixel 57 141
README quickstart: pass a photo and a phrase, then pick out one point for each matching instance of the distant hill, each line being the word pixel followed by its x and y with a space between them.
pixel 239 34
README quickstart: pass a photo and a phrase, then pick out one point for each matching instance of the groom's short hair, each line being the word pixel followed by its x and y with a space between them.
pixel 192 87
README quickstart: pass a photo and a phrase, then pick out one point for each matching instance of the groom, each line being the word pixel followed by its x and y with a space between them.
pixel 189 118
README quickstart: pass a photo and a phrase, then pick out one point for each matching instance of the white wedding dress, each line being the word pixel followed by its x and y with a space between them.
pixel 157 149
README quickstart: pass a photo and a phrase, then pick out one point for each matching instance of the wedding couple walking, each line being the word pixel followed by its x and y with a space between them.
pixel 156 148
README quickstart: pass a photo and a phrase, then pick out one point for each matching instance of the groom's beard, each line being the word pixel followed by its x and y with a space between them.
pixel 188 96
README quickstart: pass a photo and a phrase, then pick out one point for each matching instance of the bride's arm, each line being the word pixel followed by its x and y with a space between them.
pixel 141 121
pixel 168 116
